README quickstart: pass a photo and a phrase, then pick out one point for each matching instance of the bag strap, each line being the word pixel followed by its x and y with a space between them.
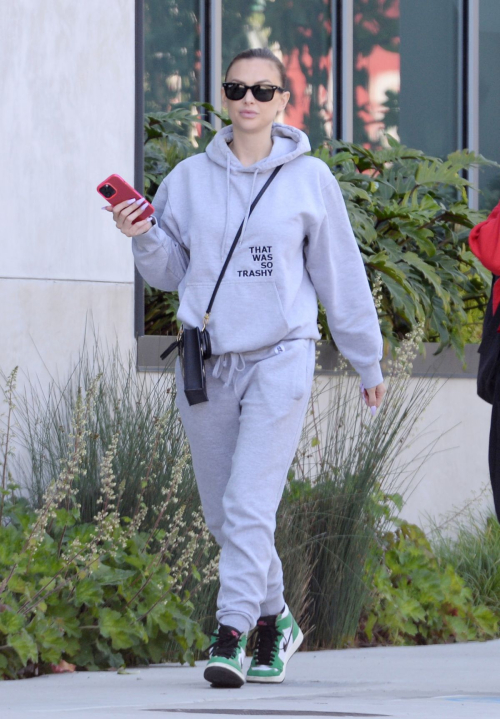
pixel 174 345
pixel 233 246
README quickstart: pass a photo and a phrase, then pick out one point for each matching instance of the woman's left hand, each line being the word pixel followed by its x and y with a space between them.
pixel 373 396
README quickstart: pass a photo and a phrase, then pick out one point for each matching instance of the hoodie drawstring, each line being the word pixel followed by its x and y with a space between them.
pixel 228 189
pixel 228 192
pixel 250 200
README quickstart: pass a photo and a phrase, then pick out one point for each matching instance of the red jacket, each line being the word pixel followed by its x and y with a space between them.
pixel 484 241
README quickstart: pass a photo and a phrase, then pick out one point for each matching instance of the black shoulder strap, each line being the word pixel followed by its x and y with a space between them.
pixel 174 345
pixel 235 242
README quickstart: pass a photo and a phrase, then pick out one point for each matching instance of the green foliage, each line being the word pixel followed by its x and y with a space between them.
pixel 101 573
pixel 474 551
pixel 170 137
pixel 127 403
pixel 411 218
pixel 61 601
pixel 416 600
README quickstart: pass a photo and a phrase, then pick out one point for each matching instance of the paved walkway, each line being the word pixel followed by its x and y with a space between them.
pixel 443 682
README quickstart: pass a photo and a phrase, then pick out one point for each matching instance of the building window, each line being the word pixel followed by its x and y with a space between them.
pixel 489 99
pixel 172 54
pixel 407 73
pixel 299 32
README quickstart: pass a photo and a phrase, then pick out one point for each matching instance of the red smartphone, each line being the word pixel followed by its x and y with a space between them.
pixel 115 189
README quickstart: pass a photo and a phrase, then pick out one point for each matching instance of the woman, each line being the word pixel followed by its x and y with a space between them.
pixel 296 245
pixel 484 241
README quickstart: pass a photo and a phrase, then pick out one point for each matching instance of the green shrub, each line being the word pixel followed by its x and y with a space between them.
pixel 138 409
pixel 474 552
pixel 112 590
pixel 410 214
pixel 95 609
pixel 417 600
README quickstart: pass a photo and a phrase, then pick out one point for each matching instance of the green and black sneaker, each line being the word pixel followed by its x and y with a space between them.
pixel 276 639
pixel 227 653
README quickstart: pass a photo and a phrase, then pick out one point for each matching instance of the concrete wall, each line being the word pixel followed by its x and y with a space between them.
pixel 455 477
pixel 67 122
pixel 447 445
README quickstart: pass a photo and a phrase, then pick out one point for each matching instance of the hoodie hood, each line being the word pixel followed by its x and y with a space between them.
pixel 288 143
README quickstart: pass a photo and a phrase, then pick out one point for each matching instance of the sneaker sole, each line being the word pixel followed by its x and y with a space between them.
pixel 223 676
pixel 279 678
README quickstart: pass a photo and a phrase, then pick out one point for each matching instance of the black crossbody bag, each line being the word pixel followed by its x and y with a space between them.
pixel 194 345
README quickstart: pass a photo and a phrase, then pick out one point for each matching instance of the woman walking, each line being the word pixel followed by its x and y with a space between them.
pixel 298 244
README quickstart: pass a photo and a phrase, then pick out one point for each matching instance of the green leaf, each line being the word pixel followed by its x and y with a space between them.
pixel 111 576
pixel 88 592
pixel 51 642
pixel 124 631
pixel 11 622
pixel 403 302
pixel 430 274
pixel 25 646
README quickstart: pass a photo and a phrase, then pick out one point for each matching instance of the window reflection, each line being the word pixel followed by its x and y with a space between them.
pixel 172 53
pixel 489 99
pixel 376 70
pixel 406 73
pixel 299 33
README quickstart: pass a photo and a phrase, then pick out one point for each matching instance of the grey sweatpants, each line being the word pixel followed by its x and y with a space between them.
pixel 243 441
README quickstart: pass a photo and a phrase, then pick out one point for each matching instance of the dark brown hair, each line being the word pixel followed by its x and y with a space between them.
pixel 265 54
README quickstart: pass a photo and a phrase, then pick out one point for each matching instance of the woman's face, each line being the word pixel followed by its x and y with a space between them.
pixel 248 114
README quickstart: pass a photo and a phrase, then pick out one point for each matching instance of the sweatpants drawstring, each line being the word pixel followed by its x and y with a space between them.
pixel 235 358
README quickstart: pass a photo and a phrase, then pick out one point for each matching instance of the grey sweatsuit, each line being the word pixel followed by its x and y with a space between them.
pixel 298 244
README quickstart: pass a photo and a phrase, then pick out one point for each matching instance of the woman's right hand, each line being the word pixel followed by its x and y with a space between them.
pixel 125 213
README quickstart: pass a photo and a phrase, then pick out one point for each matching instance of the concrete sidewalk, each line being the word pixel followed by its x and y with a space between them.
pixel 445 682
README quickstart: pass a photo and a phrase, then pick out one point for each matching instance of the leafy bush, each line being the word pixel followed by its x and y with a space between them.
pixel 474 551
pixel 139 410
pixel 416 600
pixel 112 590
pixel 95 609
pixel 411 218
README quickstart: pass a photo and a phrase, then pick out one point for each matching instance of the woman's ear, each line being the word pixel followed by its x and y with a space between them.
pixel 286 98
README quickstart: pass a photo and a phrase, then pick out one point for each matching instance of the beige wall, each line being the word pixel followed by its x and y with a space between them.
pixel 67 122
pixel 456 475
pixel 449 442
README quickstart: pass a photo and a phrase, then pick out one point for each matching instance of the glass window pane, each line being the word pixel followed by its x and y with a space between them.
pixel 430 62
pixel 376 70
pixel 406 73
pixel 299 33
pixel 172 53
pixel 489 99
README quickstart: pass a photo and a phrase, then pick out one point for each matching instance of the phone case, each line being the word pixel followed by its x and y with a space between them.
pixel 115 190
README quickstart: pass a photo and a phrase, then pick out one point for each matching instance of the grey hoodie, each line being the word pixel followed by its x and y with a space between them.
pixel 298 243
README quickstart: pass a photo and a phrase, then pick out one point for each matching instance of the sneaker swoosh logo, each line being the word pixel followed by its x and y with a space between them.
pixel 285 644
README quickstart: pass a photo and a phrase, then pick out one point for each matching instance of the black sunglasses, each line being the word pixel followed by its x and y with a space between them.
pixel 262 93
